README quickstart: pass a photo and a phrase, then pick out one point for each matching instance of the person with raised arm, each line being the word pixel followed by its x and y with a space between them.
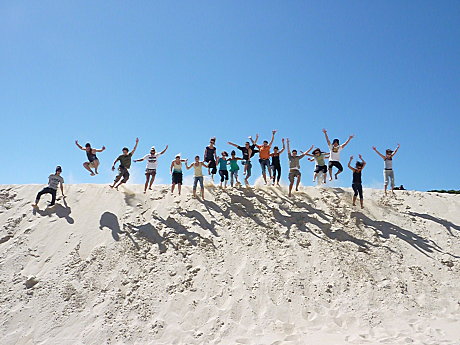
pixel 388 172
pixel 276 164
pixel 125 164
pixel 54 180
pixel 248 152
pixel 357 182
pixel 334 158
pixel 264 155
pixel 198 175
pixel 176 172
pixel 93 161
pixel 152 164
pixel 210 157
pixel 319 156
pixel 294 166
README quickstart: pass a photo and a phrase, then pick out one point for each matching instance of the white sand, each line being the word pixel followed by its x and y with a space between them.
pixel 245 267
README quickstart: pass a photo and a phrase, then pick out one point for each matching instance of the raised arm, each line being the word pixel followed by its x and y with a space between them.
pixel 375 149
pixel 327 137
pixel 284 147
pixel 396 150
pixel 135 146
pixel 273 137
pixel 348 140
pixel 233 144
pixel 288 146
pixel 100 150
pixel 79 146
pixel 349 163
pixel 307 152
pixel 254 142
pixel 162 152
pixel 362 160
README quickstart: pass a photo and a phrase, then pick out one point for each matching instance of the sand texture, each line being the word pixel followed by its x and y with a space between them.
pixel 247 266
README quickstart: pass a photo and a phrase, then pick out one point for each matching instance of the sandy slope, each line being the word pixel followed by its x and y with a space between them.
pixel 245 267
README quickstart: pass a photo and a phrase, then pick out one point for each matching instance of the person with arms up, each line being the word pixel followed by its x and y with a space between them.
pixel 248 151
pixel 388 173
pixel 93 161
pixel 357 182
pixel 264 155
pixel 152 164
pixel 198 175
pixel 276 163
pixel 54 181
pixel 125 164
pixel 321 167
pixel 334 155
pixel 294 166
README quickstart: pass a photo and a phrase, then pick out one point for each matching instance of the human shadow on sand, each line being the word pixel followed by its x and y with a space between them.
pixel 445 223
pixel 385 230
pixel 59 210
pixel 202 221
pixel 110 221
pixel 148 232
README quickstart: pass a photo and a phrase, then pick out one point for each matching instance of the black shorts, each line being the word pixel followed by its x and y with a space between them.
pixel 322 168
pixel 150 172
pixel 335 164
pixel 177 178
pixel 212 165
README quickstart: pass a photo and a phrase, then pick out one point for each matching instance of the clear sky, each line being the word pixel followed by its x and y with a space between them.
pixel 179 72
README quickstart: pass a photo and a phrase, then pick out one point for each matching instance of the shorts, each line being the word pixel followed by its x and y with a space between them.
pixel 196 180
pixel 150 172
pixel 223 175
pixel 335 164
pixel 92 165
pixel 212 165
pixel 389 175
pixel 122 173
pixel 293 174
pixel 264 164
pixel 321 168
pixel 177 178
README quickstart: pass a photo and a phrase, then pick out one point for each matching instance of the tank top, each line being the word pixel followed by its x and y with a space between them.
pixel 388 163
pixel 91 156
pixel 198 170
pixel 177 168
pixel 234 165
pixel 356 177
pixel 276 161
pixel 209 153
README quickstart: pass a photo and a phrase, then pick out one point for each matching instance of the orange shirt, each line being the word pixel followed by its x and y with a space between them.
pixel 264 151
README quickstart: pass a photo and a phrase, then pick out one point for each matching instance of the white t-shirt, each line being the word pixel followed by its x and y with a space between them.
pixel 54 180
pixel 335 153
pixel 152 160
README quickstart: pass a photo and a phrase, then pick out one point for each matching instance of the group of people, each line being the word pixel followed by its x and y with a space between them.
pixel 224 163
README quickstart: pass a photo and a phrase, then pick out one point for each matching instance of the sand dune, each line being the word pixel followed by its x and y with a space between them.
pixel 247 266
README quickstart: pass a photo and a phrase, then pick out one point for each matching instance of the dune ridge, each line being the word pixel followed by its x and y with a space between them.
pixel 246 266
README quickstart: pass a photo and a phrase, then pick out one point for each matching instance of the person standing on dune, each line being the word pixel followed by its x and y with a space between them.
pixel 334 155
pixel 294 166
pixel 54 180
pixel 125 164
pixel 388 173
pixel 93 161
pixel 152 163
pixel 210 157
pixel 248 152
pixel 357 182
pixel 264 155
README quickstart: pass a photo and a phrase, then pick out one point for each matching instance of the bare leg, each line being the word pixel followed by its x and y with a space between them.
pixel 96 165
pixel 354 200
pixel 172 188
pixel 361 201
pixel 386 189
pixel 151 182
pixel 297 185
pixel 194 193
pixel 330 174
pixel 202 193
pixel 290 187
pixel 147 177
pixel 179 186
pixel 337 173
pixel 86 166
pixel 265 177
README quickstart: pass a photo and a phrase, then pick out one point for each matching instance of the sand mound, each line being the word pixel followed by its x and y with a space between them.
pixel 247 266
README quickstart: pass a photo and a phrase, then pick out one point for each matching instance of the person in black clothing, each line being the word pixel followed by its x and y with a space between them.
pixel 276 164
pixel 248 152
pixel 210 157
pixel 357 183
pixel 93 161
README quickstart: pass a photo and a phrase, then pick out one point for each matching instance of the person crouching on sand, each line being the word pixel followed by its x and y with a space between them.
pixel 93 161
pixel 54 180
pixel 176 172
pixel 357 183
pixel 125 164
pixel 198 175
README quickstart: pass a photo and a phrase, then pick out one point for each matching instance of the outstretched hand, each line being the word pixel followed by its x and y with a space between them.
pixel 352 136
pixel 374 148
pixel 274 131
pixel 113 168
pixel 351 158
pixel 137 140
pixel 360 157
pixel 76 142
pixel 103 147
pixel 324 130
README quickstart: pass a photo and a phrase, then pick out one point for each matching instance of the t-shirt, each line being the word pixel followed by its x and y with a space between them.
pixel 320 160
pixel 54 180
pixel 152 160
pixel 335 153
pixel 234 165
pixel 245 151
pixel 294 162
pixel 125 160
pixel 222 164
pixel 264 151
pixel 209 154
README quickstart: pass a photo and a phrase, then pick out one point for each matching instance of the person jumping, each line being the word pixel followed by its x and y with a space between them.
pixel 357 182
pixel 334 158
pixel 151 169
pixel 93 161
pixel 276 164
pixel 125 164
pixel 210 157
pixel 264 155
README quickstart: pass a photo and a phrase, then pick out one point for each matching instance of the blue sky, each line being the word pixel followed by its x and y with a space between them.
pixel 177 73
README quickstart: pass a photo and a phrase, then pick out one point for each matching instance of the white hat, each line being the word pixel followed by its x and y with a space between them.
pixel 152 148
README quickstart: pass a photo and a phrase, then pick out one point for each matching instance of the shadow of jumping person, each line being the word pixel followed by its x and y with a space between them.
pixel 110 221
pixel 385 229
pixel 202 221
pixel 148 232
pixel 445 223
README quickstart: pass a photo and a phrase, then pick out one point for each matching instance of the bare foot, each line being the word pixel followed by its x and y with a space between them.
pixel 330 179
pixel 34 205
pixel 111 186
pixel 92 174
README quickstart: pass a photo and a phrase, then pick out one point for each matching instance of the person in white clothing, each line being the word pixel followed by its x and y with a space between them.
pixel 334 155
pixel 152 163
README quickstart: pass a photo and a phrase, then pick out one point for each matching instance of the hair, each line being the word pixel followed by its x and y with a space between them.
pixel 197 157
pixel 125 149
pixel 276 148
pixel 247 142
pixel 294 150
pixel 213 139
pixel 389 151
pixel 58 168
pixel 359 164
pixel 233 153
pixel 87 145
pixel 265 141
pixel 224 153
pixel 316 150
pixel 335 141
